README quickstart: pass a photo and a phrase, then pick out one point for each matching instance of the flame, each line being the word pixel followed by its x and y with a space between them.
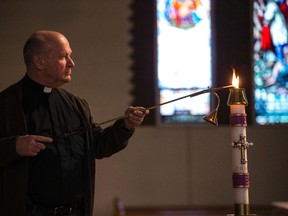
pixel 235 80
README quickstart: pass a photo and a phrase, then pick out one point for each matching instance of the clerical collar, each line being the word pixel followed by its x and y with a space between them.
pixel 47 89
pixel 28 82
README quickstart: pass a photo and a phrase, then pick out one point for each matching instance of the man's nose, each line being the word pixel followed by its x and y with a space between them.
pixel 71 62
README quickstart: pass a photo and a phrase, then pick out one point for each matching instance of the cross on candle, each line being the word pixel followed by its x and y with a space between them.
pixel 242 144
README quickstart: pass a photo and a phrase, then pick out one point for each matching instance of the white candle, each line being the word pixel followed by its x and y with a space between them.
pixel 241 195
pixel 237 108
pixel 238 121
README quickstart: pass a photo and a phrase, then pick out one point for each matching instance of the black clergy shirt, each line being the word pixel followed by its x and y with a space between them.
pixel 56 173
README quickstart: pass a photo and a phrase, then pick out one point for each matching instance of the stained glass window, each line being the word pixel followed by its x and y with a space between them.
pixel 270 61
pixel 184 58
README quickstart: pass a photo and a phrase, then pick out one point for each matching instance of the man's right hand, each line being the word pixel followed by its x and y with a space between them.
pixel 31 145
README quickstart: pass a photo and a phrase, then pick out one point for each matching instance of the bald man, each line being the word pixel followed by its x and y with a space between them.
pixel 40 175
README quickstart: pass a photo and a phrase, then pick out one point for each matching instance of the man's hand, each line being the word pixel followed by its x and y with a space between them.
pixel 31 145
pixel 135 116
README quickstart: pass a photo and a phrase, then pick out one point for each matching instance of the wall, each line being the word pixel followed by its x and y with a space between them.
pixel 161 166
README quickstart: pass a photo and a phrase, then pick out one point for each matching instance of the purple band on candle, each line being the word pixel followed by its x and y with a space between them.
pixel 240 180
pixel 239 119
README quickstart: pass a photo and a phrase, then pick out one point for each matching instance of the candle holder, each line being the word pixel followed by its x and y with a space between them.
pixel 237 96
pixel 240 176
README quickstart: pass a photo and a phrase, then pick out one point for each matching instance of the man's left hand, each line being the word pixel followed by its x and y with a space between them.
pixel 135 116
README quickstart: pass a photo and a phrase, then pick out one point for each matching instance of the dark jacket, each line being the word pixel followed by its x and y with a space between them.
pixel 14 168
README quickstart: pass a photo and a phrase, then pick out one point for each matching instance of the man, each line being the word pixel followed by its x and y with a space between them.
pixel 43 172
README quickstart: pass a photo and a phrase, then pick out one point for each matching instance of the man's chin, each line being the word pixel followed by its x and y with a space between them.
pixel 67 79
pixel 63 81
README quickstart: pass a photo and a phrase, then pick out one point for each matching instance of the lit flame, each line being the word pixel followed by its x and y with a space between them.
pixel 235 80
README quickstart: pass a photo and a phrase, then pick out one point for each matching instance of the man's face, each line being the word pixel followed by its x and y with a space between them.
pixel 58 63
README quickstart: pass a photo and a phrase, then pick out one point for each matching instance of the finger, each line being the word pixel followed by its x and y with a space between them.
pixel 135 119
pixel 142 109
pixel 140 112
pixel 37 150
pixel 42 141
pixel 42 138
pixel 39 146
pixel 33 154
pixel 137 113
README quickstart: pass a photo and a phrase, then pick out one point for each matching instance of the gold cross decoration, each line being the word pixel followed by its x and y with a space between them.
pixel 242 144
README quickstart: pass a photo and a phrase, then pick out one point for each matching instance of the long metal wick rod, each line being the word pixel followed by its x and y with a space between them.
pixel 90 127
pixel 180 98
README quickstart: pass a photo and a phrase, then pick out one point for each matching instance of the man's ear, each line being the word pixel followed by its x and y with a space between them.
pixel 38 62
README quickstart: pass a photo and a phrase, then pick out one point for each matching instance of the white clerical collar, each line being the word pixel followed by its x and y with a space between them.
pixel 47 89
